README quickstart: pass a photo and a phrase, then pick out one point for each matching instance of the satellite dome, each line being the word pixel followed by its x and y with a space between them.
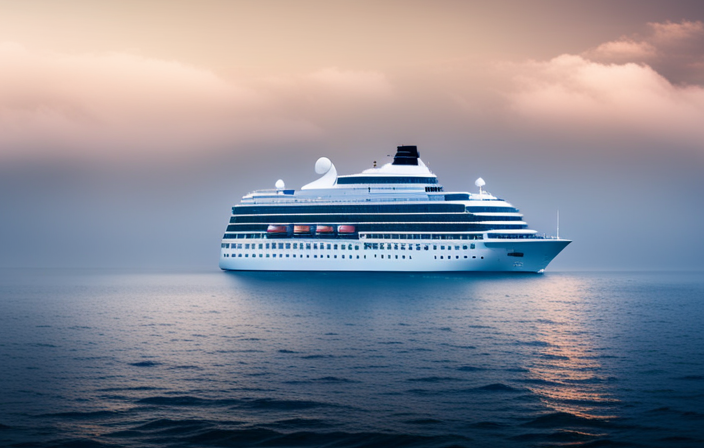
pixel 323 165
pixel 479 182
pixel 280 185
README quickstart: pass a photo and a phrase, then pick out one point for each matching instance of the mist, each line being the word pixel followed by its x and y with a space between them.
pixel 125 158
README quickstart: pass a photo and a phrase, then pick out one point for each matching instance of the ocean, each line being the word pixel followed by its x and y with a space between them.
pixel 96 358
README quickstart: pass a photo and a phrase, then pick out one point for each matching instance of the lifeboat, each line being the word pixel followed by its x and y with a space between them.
pixel 301 230
pixel 325 230
pixel 346 229
pixel 273 229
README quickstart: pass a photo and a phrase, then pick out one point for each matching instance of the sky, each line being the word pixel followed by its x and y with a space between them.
pixel 129 128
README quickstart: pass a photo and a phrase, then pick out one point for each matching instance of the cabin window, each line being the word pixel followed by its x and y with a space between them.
pixel 328 248
pixel 308 246
pixel 334 247
pixel 472 246
pixel 295 245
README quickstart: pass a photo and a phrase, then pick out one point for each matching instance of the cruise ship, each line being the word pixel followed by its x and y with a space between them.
pixel 392 218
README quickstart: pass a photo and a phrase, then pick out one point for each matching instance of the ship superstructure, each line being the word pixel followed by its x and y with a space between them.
pixel 396 217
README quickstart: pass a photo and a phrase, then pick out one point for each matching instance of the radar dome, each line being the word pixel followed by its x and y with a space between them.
pixel 323 165
pixel 479 182
pixel 280 185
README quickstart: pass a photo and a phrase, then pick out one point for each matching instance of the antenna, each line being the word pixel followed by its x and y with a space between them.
pixel 558 223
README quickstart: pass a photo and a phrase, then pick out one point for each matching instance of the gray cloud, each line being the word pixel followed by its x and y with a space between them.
pixel 675 50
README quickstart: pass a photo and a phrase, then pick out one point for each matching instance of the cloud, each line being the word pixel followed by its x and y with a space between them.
pixel 676 33
pixel 353 83
pixel 121 106
pixel 572 92
pixel 624 50
pixel 676 50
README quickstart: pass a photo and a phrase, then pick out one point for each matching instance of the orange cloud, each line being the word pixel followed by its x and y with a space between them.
pixel 631 99
pixel 675 50
pixel 120 105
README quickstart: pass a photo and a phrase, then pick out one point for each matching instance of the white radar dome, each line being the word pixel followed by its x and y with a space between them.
pixel 479 182
pixel 280 185
pixel 323 165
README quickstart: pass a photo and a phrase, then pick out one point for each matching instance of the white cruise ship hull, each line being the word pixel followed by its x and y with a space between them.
pixel 525 255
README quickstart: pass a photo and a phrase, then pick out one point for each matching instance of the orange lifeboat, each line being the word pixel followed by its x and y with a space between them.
pixel 346 229
pixel 326 230
pixel 276 229
pixel 301 230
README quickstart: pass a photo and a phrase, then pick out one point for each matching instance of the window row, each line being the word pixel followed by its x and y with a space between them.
pixel 379 236
pixel 398 227
pixel 385 218
pixel 346 209
pixel 330 246
pixel 386 180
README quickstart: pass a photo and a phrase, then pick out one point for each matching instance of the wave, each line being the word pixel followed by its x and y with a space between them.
pixel 145 364
pixel 82 415
pixel 334 379
pixel 283 405
pixel 187 400
pixel 434 379
pixel 495 387
pixel 565 419
pixel 423 421
pixel 470 369
pixel 265 437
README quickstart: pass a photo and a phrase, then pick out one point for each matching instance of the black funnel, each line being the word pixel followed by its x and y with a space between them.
pixel 406 155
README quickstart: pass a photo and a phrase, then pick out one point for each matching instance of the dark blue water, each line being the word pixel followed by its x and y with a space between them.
pixel 97 358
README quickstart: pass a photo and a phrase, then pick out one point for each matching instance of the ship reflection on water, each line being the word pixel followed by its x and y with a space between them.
pixel 536 326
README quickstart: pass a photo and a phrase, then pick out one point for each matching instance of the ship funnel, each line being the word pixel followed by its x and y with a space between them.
pixel 406 155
